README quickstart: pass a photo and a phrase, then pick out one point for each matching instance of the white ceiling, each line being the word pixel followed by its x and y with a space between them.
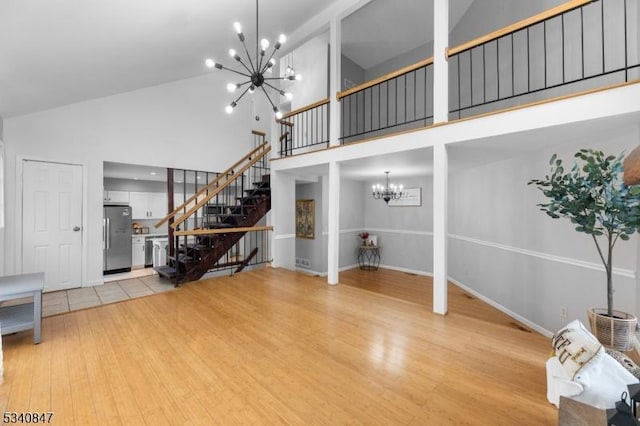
pixel 134 172
pixel 384 29
pixel 149 173
pixel 59 52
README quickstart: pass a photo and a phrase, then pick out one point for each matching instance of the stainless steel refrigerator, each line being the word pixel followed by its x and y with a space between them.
pixel 116 239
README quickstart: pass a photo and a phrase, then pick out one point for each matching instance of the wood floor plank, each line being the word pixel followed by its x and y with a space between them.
pixel 271 346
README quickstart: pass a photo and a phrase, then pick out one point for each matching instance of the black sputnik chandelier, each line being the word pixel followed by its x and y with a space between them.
pixel 256 72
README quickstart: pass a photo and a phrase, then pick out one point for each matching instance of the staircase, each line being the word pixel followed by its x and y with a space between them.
pixel 207 234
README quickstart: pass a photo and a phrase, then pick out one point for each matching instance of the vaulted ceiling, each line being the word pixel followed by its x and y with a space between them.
pixel 384 29
pixel 54 53
pixel 59 52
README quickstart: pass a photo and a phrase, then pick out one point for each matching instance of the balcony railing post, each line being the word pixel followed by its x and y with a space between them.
pixel 440 64
pixel 335 41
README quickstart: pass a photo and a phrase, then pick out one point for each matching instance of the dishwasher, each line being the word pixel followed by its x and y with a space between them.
pixel 148 252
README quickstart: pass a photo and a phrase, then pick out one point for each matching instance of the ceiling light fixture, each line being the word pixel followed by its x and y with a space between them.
pixel 255 71
pixel 387 192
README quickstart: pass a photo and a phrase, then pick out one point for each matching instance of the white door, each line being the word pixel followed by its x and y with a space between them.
pixel 52 223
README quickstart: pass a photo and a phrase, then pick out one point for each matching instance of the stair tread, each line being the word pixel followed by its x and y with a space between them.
pixel 167 271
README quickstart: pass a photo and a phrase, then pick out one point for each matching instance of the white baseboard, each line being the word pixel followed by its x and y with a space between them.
pixel 311 272
pixel 324 274
pixel 503 309
pixel 407 270
pixel 346 268
pixel 94 283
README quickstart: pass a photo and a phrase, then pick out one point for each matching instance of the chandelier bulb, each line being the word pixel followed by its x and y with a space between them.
pixel 252 89
pixel 282 39
pixel 298 77
pixel 232 53
pixel 264 44
pixel 228 109
pixel 210 63
pixel 237 27
pixel 288 95
pixel 231 87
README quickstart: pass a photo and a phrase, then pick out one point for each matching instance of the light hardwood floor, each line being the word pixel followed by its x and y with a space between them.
pixel 271 346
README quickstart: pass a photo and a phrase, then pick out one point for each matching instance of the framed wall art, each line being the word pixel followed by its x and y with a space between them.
pixel 411 197
pixel 305 219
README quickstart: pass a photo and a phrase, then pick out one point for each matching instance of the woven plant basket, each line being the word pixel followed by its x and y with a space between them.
pixel 616 332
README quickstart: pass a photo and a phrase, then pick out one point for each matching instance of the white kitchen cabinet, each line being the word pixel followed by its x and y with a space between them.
pixel 116 197
pixel 148 205
pixel 157 205
pixel 137 252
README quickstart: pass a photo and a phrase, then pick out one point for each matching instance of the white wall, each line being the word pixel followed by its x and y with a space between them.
pixel 311 249
pixel 352 219
pixel 405 234
pixel 351 72
pixel 352 205
pixel 311 61
pixel 503 247
pixel 180 124
pixel 283 208
pixel 2 199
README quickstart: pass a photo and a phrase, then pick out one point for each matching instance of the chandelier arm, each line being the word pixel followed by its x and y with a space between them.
pixel 276 78
pixel 273 87
pixel 245 66
pixel 243 93
pixel 235 71
pixel 267 95
pixel 253 69
pixel 266 65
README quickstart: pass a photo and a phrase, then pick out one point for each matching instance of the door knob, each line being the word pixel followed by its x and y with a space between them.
pixel 76 228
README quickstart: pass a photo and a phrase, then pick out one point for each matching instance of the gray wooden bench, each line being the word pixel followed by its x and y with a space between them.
pixel 23 316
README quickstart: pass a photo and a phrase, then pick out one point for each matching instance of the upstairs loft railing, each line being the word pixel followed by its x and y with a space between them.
pixel 305 129
pixel 396 101
pixel 577 46
pixel 580 45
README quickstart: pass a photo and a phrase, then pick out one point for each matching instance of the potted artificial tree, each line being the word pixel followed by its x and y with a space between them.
pixel 593 196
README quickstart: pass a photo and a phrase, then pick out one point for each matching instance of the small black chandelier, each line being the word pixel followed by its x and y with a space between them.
pixel 254 71
pixel 387 192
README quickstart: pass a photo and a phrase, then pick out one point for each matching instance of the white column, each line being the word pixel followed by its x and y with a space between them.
pixel 440 232
pixel 333 244
pixel 440 64
pixel 283 190
pixel 335 41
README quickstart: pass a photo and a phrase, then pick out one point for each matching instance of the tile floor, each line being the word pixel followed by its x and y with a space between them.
pixel 59 302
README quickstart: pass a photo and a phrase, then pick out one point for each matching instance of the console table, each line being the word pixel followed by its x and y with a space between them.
pixel 24 316
pixel 369 257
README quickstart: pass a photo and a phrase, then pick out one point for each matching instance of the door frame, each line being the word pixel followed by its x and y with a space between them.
pixel 20 159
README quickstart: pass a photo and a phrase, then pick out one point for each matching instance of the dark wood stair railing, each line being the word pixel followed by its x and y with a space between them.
pixel 223 227
pixel 262 149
